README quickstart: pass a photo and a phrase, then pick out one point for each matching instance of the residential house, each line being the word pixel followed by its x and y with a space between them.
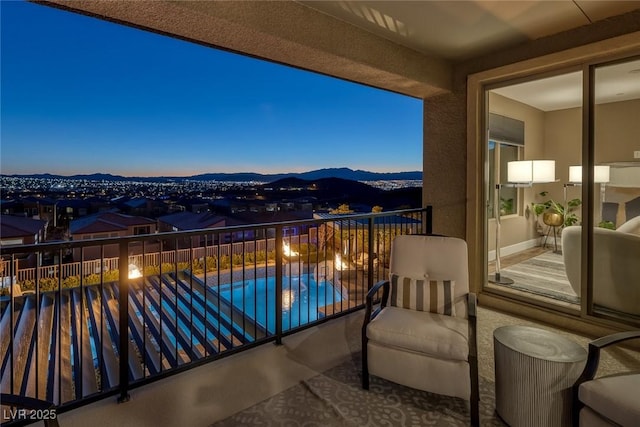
pixel 40 208
pixel 108 225
pixel 183 221
pixel 31 207
pixel 195 205
pixel 71 209
pixel 143 206
pixel 10 207
pixel 19 230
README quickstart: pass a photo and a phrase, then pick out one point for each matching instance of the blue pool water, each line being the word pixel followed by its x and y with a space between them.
pixel 301 298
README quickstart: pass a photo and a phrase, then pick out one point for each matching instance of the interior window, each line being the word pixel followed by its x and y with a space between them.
pixel 506 142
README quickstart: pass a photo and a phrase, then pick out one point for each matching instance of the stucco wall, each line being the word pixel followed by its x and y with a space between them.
pixel 444 179
pixel 617 131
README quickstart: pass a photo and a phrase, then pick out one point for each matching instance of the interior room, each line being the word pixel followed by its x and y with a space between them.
pixel 542 119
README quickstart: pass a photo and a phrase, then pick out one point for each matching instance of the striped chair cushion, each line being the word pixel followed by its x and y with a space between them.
pixel 422 294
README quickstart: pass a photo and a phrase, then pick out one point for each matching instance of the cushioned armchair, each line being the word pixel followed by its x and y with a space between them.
pixel 616 271
pixel 610 400
pixel 423 333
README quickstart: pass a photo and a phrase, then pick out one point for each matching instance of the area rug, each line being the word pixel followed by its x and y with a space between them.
pixel 542 275
pixel 336 398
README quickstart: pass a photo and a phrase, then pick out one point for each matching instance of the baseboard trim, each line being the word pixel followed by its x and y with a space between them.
pixel 518 247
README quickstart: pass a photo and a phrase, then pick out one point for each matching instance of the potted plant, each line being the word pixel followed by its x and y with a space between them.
pixel 556 214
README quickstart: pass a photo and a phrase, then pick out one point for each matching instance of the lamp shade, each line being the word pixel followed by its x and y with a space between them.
pixel 600 174
pixel 531 171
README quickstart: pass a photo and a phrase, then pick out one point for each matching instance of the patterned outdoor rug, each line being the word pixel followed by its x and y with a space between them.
pixel 336 398
pixel 542 275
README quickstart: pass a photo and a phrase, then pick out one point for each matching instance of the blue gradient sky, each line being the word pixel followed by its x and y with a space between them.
pixel 81 95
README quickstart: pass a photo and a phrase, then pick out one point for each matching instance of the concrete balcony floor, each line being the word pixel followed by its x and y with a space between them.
pixel 209 393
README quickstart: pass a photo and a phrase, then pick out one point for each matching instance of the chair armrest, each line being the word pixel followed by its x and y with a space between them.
pixel 591 367
pixel 368 315
pixel 595 346
pixel 25 401
pixel 472 304
pixel 374 290
pixel 608 340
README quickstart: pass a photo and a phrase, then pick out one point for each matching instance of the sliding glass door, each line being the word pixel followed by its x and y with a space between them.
pixel 534 231
pixel 524 244
pixel 615 266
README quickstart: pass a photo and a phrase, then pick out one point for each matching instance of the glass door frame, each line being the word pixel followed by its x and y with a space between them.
pixel 477 166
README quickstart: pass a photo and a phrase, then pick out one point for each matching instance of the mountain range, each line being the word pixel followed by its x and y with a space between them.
pixel 344 173
pixel 338 190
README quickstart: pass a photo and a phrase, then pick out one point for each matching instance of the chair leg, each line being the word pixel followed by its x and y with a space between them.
pixel 475 412
pixel 365 365
pixel 475 393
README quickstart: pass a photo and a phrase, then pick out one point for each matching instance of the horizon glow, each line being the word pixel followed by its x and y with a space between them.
pixel 82 96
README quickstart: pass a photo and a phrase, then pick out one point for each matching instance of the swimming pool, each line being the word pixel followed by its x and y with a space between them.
pixel 301 298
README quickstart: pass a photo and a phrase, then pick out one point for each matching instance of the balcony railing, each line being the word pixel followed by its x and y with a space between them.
pixel 182 299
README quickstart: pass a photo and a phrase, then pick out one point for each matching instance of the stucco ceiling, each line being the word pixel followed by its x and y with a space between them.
pixel 464 29
pixel 461 30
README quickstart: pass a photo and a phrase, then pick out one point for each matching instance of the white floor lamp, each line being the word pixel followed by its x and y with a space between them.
pixel 521 173
pixel 601 175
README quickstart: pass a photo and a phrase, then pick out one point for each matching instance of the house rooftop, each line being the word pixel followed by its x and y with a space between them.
pixel 16 226
pixel 193 221
pixel 105 222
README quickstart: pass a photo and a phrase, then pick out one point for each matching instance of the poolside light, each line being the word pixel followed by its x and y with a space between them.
pixel 339 264
pixel 134 272
pixel 286 250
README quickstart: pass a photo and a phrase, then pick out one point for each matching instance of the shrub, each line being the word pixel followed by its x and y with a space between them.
pixel 111 276
pixel 212 263
pixel 224 262
pixel 92 279
pixel 27 285
pixel 151 270
pixel 237 259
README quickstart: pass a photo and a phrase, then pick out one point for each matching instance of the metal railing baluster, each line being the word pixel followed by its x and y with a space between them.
pixel 123 318
pixel 278 302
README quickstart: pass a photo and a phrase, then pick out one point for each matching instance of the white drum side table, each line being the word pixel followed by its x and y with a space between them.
pixel 534 371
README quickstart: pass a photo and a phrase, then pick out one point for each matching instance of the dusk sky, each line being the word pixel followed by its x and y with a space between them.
pixel 82 95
